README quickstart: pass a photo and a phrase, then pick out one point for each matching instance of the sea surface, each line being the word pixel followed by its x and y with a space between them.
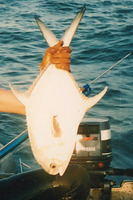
pixel 104 36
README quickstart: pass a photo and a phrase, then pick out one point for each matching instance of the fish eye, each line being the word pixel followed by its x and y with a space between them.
pixel 53 165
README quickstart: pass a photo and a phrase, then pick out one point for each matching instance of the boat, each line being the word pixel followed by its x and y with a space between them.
pixel 89 170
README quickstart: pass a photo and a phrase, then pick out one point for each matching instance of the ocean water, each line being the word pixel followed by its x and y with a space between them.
pixel 104 36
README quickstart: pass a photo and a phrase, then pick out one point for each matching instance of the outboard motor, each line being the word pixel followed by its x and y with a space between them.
pixel 93 148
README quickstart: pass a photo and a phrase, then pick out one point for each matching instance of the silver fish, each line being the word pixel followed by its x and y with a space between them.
pixel 55 107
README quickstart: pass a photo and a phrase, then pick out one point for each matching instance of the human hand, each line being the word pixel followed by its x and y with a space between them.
pixel 58 55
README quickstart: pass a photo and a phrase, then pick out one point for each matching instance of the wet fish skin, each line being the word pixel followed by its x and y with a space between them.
pixel 55 107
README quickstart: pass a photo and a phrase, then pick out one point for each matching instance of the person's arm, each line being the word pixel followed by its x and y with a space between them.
pixel 58 55
pixel 9 103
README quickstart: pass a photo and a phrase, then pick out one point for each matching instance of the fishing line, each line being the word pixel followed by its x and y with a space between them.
pixel 86 89
pixel 110 68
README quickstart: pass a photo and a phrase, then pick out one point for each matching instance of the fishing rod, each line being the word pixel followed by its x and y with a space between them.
pixel 86 89
pixel 13 143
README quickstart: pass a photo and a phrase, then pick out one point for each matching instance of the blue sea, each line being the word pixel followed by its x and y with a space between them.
pixel 104 36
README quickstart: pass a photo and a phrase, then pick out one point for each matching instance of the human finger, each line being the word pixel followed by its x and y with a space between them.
pixel 61 55
pixel 60 60
pixel 65 49
pixel 63 67
pixel 55 48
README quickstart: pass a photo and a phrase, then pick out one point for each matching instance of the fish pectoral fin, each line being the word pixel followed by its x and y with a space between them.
pixel 56 131
pixel 22 97
pixel 91 101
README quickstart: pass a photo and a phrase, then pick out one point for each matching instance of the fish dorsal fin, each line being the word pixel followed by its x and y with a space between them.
pixel 35 82
pixel 91 101
pixel 22 97
pixel 68 35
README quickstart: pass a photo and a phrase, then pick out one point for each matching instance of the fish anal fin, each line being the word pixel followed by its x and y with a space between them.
pixel 91 101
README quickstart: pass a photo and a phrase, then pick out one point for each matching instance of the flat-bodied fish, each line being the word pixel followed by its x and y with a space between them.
pixel 55 107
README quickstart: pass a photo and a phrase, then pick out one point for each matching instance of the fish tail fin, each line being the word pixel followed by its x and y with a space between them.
pixel 68 35
pixel 70 31
pixel 47 34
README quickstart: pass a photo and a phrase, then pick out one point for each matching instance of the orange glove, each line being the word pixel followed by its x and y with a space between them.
pixel 58 55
